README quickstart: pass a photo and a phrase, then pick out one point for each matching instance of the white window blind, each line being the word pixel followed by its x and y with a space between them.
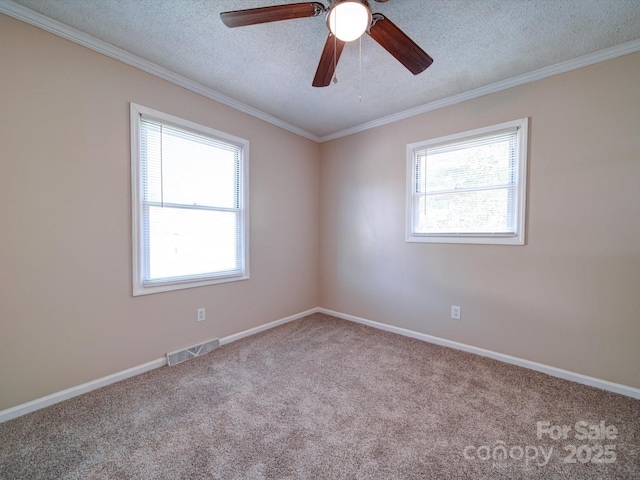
pixel 190 207
pixel 468 187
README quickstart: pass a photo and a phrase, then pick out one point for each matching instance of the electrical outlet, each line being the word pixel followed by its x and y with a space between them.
pixel 455 312
pixel 201 314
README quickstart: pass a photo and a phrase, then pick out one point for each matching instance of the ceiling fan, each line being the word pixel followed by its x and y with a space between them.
pixel 347 20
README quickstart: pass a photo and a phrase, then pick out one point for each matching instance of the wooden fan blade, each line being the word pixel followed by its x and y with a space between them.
pixel 398 44
pixel 253 16
pixel 328 61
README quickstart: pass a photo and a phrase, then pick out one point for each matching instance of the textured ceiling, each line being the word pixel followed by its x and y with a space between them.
pixel 270 67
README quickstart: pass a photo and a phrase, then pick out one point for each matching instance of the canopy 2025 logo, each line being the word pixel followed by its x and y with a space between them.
pixel 588 452
pixel 596 448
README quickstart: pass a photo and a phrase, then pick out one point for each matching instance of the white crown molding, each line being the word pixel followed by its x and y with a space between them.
pixel 53 26
pixel 562 67
pixel 521 362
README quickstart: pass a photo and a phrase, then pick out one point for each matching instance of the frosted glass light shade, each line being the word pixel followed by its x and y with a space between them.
pixel 348 20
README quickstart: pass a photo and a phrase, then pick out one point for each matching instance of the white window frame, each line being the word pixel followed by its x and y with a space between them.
pixel 518 238
pixel 138 254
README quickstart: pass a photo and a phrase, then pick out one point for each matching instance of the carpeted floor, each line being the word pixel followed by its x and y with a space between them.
pixel 325 398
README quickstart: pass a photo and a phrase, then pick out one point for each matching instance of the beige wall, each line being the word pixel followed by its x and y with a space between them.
pixel 570 298
pixel 67 315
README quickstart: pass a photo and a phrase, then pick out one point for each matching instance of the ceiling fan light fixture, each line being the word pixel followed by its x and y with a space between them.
pixel 349 19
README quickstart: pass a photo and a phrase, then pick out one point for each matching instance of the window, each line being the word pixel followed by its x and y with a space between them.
pixel 469 187
pixel 189 196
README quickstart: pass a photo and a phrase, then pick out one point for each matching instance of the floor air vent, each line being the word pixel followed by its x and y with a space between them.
pixel 179 356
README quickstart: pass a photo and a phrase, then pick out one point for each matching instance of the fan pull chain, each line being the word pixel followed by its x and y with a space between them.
pixel 161 169
pixel 360 74
pixel 335 61
pixel 335 50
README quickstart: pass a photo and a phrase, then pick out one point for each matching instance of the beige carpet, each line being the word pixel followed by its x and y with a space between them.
pixel 325 398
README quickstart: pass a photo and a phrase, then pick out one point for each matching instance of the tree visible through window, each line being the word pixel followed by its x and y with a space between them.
pixel 469 187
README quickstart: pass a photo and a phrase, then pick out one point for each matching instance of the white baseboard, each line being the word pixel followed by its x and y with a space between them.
pixel 549 370
pixel 57 397
pixel 266 326
pixel 38 403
